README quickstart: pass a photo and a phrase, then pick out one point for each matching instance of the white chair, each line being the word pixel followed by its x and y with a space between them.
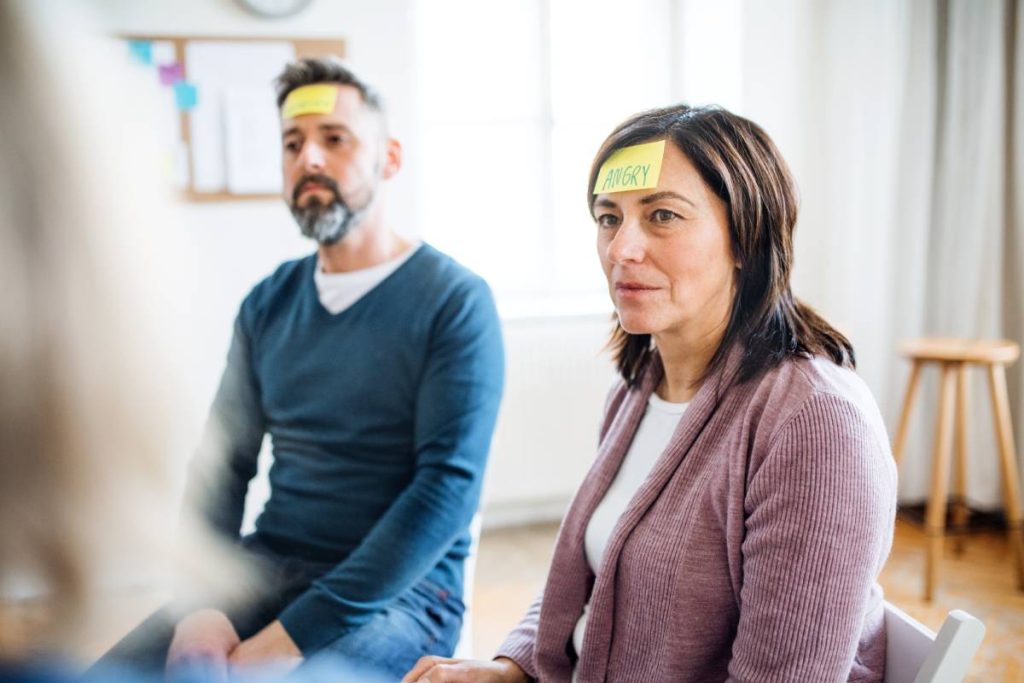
pixel 464 648
pixel 914 654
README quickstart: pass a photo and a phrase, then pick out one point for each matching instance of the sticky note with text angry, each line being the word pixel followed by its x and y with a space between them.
pixel 636 167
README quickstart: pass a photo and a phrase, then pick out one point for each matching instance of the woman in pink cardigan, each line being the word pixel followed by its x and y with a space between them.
pixel 741 504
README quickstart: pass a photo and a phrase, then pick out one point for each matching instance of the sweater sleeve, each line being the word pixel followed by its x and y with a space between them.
pixel 819 511
pixel 456 408
pixel 519 644
pixel 225 461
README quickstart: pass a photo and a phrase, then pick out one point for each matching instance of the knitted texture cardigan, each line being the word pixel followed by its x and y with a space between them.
pixel 750 553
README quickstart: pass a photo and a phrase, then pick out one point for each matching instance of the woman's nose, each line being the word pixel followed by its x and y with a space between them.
pixel 627 244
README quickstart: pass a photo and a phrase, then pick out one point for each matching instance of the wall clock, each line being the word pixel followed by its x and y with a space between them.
pixel 275 9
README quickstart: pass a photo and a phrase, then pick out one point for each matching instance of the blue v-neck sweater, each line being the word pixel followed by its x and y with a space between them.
pixel 380 418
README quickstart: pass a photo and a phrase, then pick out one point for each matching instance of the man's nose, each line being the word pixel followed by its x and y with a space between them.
pixel 312 157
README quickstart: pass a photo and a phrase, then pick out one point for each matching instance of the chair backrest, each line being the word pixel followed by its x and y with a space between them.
pixel 915 654
pixel 464 648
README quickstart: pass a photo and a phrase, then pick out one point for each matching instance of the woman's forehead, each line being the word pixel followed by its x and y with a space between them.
pixel 678 179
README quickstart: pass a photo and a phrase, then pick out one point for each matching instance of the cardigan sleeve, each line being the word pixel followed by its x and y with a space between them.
pixel 519 645
pixel 820 509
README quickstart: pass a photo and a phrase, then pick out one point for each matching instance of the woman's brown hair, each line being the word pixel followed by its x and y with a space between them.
pixel 741 164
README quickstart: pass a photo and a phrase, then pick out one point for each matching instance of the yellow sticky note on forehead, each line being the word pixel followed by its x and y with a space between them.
pixel 631 168
pixel 310 99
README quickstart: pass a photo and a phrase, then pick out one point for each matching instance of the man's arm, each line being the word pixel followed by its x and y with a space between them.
pixel 456 408
pixel 225 461
pixel 219 476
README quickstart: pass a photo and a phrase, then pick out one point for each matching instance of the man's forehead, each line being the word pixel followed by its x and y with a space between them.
pixel 317 98
pixel 320 99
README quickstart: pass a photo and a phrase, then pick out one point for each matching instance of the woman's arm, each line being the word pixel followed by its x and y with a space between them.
pixel 444 670
pixel 820 511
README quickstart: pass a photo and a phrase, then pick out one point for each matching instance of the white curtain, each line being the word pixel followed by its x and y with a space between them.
pixel 904 124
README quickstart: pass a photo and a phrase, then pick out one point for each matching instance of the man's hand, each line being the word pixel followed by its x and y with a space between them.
pixel 203 639
pixel 271 645
pixel 445 670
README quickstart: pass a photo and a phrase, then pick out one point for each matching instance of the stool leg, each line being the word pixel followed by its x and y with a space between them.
pixel 935 516
pixel 960 510
pixel 1008 462
pixel 908 402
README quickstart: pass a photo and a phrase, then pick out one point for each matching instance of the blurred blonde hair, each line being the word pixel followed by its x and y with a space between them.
pixel 86 394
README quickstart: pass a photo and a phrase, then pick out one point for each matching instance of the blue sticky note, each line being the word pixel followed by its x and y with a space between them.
pixel 186 95
pixel 141 50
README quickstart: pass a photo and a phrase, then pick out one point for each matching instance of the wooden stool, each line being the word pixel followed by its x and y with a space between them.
pixel 953 357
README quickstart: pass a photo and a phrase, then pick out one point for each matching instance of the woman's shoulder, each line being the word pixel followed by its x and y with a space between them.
pixel 827 395
pixel 824 428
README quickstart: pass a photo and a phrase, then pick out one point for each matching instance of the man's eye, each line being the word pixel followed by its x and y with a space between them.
pixel 607 220
pixel 292 147
pixel 335 139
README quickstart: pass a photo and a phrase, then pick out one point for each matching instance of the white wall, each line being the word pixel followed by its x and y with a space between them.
pixel 556 382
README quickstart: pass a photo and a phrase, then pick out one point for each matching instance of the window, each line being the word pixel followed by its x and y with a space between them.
pixel 514 98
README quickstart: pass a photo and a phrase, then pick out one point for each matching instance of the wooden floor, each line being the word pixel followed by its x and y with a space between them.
pixel 512 565
pixel 513 562
pixel 980 581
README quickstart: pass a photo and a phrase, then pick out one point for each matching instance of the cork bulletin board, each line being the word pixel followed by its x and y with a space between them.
pixel 220 119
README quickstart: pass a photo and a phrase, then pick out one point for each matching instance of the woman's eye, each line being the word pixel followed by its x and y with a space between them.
pixel 607 220
pixel 663 216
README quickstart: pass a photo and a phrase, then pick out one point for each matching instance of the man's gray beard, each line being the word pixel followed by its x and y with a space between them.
pixel 326 224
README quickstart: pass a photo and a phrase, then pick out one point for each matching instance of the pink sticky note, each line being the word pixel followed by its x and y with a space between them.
pixel 171 73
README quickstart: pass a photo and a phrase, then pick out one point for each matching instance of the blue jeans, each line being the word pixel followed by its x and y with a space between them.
pixel 424 620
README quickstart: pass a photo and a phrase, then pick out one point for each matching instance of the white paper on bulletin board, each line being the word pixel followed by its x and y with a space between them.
pixel 252 141
pixel 215 68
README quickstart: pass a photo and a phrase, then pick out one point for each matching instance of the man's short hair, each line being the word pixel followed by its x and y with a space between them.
pixel 312 70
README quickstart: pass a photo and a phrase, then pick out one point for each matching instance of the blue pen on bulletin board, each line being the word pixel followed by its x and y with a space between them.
pixel 186 95
pixel 141 50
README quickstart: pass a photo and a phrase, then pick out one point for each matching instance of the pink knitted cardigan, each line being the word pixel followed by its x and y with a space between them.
pixel 750 552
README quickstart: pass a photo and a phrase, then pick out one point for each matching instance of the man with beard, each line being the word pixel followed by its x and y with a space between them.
pixel 376 366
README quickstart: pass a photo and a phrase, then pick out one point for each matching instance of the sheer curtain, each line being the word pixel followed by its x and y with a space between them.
pixel 904 123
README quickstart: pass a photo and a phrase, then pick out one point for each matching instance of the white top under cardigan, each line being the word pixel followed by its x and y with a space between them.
pixel 652 436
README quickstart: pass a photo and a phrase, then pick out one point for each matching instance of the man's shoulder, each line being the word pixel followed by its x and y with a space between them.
pixel 439 280
pixel 435 268
pixel 283 281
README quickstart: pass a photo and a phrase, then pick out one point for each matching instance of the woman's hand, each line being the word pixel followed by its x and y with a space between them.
pixel 445 670
pixel 203 639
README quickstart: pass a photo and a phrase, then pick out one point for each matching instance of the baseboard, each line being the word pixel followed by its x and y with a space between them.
pixel 977 520
pixel 524 512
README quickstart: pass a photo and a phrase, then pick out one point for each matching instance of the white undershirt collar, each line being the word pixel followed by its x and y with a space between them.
pixel 338 291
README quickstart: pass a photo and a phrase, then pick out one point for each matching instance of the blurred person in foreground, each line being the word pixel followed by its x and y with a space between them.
pixel 86 496
pixel 88 399
pixel 742 501
pixel 375 364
